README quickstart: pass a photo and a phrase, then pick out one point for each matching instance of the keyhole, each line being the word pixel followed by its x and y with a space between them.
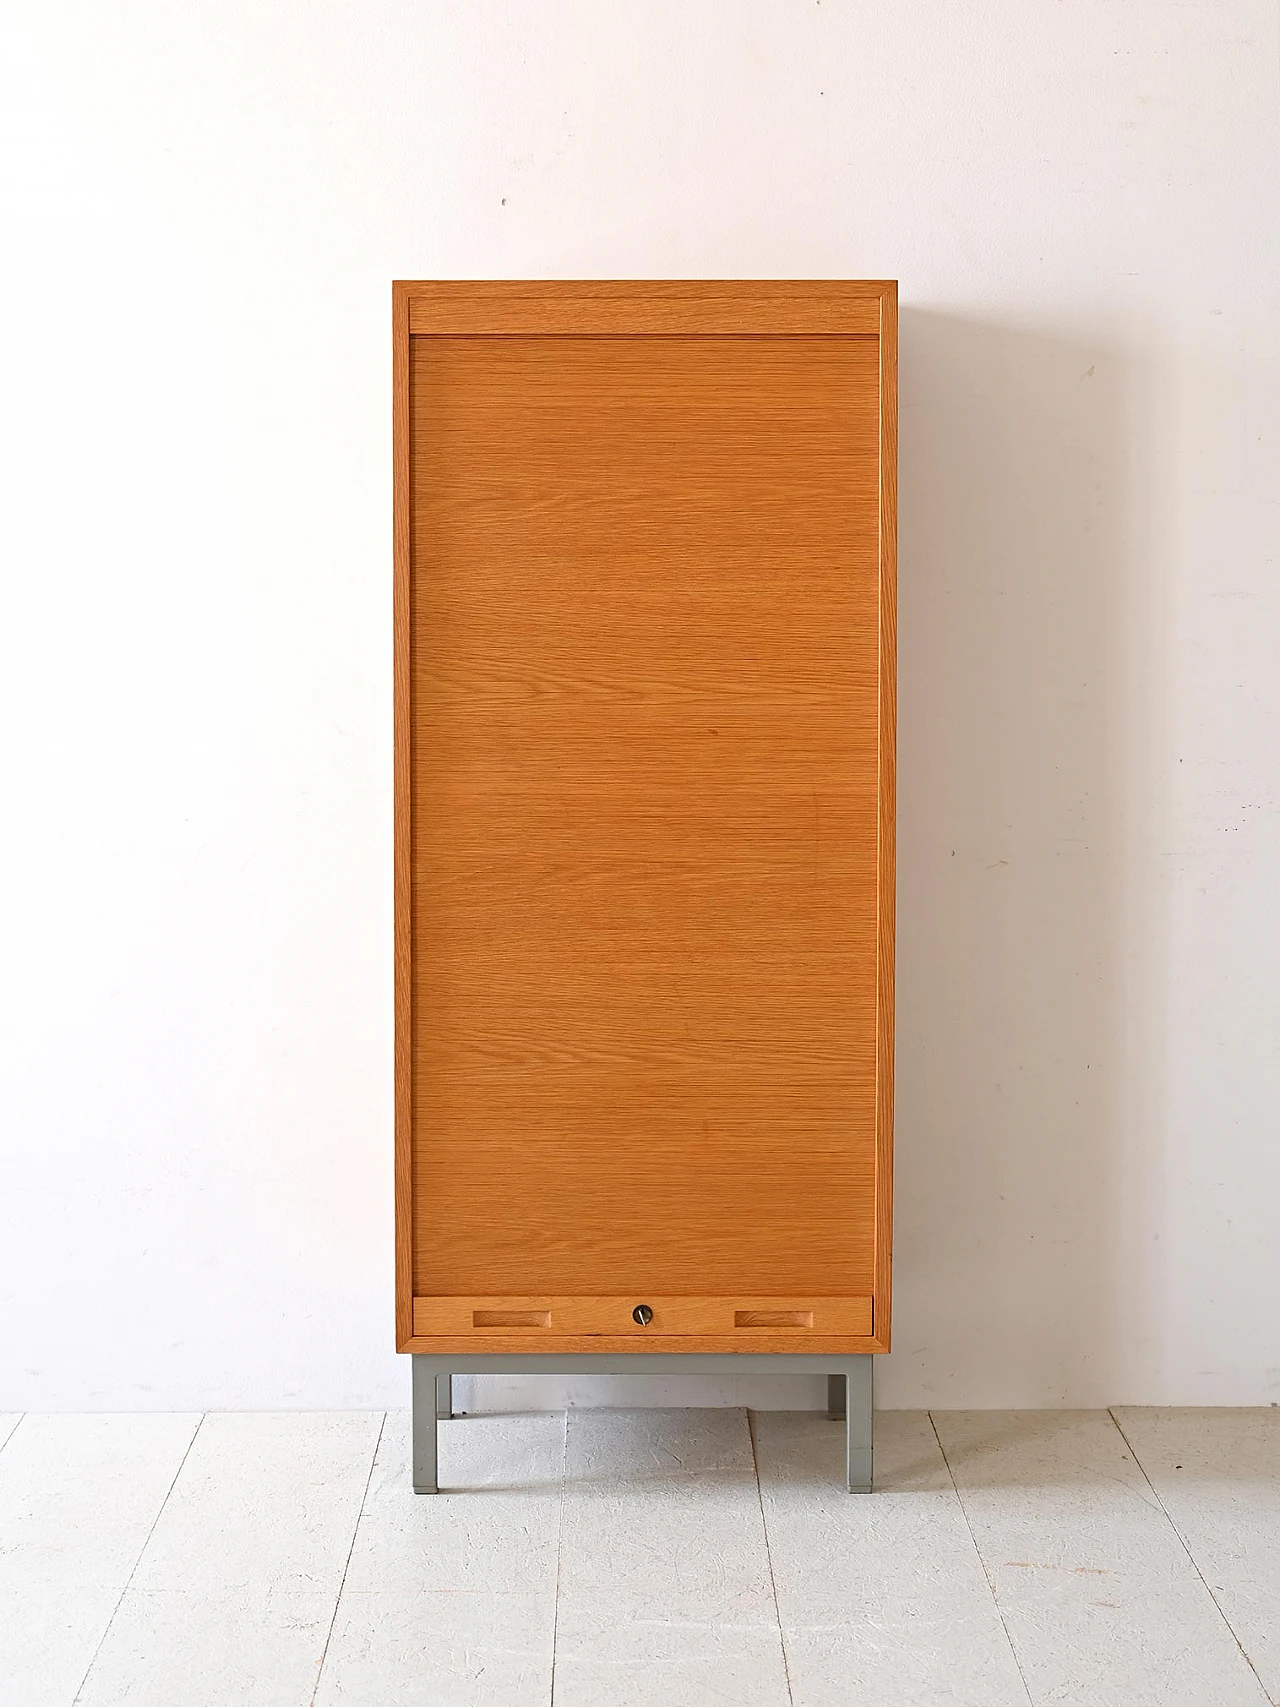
pixel 642 1314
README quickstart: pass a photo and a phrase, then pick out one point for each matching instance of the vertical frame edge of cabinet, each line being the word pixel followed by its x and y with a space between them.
pixel 887 810
pixel 401 779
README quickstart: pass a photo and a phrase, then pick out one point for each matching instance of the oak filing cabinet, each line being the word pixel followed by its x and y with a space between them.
pixel 644 838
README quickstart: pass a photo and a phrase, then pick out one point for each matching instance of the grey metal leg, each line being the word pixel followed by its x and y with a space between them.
pixel 859 1422
pixel 425 1473
pixel 848 1391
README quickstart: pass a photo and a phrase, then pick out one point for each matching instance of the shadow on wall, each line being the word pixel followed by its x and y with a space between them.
pixel 1022 576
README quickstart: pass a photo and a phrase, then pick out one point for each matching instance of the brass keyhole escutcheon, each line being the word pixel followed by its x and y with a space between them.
pixel 642 1314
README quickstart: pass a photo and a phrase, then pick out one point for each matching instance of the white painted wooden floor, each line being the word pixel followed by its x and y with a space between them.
pixel 620 1558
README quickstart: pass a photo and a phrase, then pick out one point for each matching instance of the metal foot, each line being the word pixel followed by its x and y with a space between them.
pixel 444 1396
pixel 425 1402
pixel 859 1417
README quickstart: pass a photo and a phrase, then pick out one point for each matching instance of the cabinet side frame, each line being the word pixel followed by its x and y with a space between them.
pixel 887 807
pixel 402 836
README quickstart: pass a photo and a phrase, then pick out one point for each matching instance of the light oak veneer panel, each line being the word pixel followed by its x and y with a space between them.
pixel 682 307
pixel 641 764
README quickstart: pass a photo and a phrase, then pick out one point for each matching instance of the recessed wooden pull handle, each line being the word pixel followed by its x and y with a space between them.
pixel 511 1318
pixel 773 1318
pixel 665 1321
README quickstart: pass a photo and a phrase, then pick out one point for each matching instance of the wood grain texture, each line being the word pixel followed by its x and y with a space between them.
pixel 887 809
pixel 644 318
pixel 699 307
pixel 764 1340
pixel 745 1318
pixel 802 292
pixel 402 883
pixel 649 958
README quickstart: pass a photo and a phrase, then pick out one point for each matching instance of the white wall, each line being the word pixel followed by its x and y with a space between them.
pixel 203 205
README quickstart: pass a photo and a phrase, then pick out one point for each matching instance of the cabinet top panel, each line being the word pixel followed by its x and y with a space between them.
pixel 852 307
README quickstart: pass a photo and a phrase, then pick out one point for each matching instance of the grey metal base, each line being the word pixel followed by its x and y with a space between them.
pixel 849 1391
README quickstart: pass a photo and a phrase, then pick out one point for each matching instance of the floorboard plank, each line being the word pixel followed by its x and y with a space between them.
pixel 883 1597
pixel 236 1589
pixel 1099 1597
pixel 78 1497
pixel 1217 1473
pixel 450 1597
pixel 665 1590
